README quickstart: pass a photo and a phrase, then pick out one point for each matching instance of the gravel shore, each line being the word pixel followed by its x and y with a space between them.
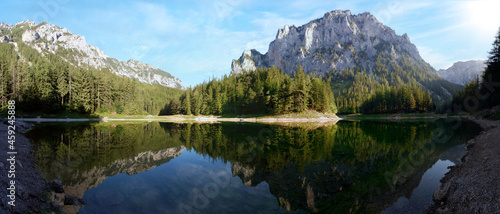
pixel 473 186
pixel 30 187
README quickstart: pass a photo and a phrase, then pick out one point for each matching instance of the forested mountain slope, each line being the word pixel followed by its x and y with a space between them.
pixel 264 91
pixel 48 38
pixel 357 54
pixel 46 83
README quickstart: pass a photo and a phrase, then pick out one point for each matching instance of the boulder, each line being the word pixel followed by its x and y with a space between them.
pixel 57 186
pixel 70 200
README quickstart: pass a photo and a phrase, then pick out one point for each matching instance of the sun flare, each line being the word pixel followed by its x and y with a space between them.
pixel 483 15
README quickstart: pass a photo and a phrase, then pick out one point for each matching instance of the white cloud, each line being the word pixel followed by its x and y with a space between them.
pixel 437 31
pixel 269 23
pixel 260 44
pixel 388 12
pixel 220 10
pixel 436 59
pixel 160 20
pixel 194 42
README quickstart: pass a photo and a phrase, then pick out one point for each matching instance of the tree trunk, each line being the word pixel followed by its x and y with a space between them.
pixel 70 89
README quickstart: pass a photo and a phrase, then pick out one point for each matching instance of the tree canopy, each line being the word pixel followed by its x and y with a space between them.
pixel 483 92
pixel 264 91
pixel 46 83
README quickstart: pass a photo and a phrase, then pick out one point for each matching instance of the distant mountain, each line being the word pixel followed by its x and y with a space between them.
pixel 343 46
pixel 463 72
pixel 46 37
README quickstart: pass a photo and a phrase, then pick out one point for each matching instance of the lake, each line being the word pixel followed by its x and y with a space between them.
pixel 154 167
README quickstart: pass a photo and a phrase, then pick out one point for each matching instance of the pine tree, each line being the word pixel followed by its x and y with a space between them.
pixel 490 83
pixel 62 85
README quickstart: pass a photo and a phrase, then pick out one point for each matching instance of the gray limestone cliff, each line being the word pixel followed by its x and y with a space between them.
pixel 337 41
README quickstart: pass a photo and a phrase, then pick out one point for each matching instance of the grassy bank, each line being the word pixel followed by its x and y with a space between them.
pixel 68 116
pixel 395 116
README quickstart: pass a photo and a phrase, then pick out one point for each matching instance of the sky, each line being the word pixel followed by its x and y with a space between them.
pixel 195 40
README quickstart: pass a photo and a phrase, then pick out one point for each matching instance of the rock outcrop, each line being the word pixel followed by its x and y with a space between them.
pixel 337 41
pixel 48 38
pixel 463 72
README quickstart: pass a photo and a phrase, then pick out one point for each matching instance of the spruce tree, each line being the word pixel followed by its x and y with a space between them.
pixel 490 83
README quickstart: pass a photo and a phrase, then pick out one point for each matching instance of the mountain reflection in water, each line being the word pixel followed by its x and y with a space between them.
pixel 350 166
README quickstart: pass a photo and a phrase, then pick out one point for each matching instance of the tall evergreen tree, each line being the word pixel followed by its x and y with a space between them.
pixel 490 83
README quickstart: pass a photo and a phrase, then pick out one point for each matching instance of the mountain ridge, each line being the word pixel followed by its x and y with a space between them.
pixel 462 72
pixel 336 41
pixel 73 48
pixel 357 54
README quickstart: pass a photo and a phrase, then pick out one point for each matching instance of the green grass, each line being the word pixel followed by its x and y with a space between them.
pixel 391 115
pixel 73 115
pixel 305 114
pixel 257 115
pixel 135 117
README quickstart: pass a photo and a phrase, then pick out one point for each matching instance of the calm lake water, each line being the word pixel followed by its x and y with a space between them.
pixel 350 166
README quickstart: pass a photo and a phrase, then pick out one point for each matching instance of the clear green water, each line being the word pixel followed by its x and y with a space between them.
pixel 350 166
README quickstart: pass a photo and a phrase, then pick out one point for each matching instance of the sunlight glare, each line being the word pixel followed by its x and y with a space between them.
pixel 483 15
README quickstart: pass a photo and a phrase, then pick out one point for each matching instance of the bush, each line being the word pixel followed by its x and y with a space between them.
pixel 119 108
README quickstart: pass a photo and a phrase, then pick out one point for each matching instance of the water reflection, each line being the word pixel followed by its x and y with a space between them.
pixel 344 167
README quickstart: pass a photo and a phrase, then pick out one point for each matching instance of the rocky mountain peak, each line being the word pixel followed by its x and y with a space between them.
pixel 406 37
pixel 462 72
pixel 27 22
pixel 49 38
pixel 336 41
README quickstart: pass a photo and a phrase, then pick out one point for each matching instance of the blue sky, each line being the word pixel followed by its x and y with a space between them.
pixel 197 39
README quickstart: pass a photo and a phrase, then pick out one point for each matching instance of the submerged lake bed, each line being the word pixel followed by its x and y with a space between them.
pixel 348 166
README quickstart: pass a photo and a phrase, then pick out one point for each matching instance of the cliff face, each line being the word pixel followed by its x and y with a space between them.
pixel 48 38
pixel 463 72
pixel 336 41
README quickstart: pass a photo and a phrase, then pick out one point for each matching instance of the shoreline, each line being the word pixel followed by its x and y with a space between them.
pixel 473 186
pixel 268 119
pixel 30 186
pixel 181 119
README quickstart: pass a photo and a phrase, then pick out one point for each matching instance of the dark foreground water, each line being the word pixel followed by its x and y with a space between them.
pixel 356 167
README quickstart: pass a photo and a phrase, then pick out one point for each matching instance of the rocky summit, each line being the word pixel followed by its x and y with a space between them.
pixel 48 38
pixel 463 72
pixel 337 41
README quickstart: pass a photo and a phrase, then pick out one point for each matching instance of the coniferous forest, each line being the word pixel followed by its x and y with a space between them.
pixel 391 87
pixel 484 92
pixel 264 91
pixel 48 84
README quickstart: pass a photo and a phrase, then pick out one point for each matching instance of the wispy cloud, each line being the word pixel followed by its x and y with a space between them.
pixel 158 19
pixel 435 58
pixel 195 39
pixel 437 31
